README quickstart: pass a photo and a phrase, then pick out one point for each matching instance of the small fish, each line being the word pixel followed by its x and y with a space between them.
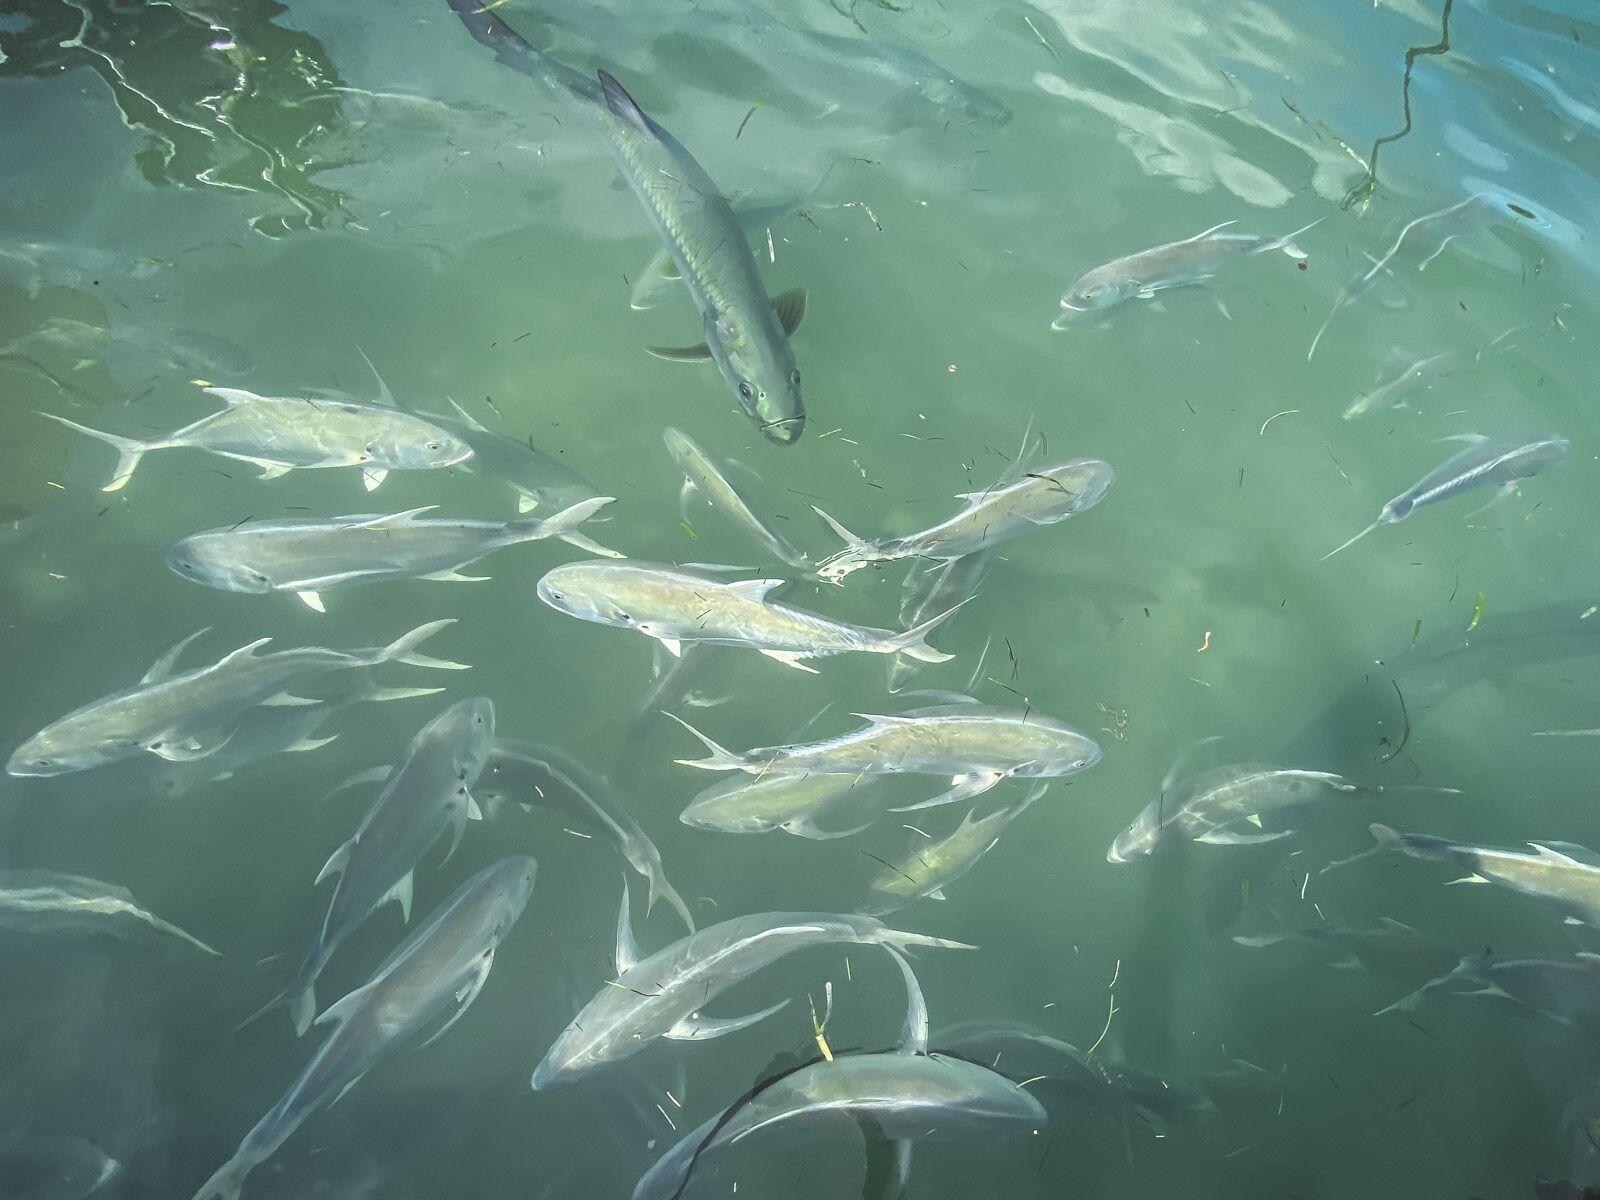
pixel 929 866
pixel 993 515
pixel 49 902
pixel 702 477
pixel 539 479
pixel 1389 948
pixel 1567 992
pixel 1501 462
pixel 79 268
pixel 311 556
pixel 531 773
pixel 762 804
pixel 53 1168
pixel 1419 376
pixel 1174 264
pixel 976 745
pixel 183 716
pixel 436 972
pixel 281 433
pixel 676 608
pixel 427 794
pixel 663 995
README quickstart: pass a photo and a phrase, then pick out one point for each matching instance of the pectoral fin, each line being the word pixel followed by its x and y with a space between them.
pixel 285 700
pixel 1223 836
pixel 963 787
pixel 189 749
pixel 311 600
pixel 466 995
pixel 790 659
pixel 698 1028
pixel 455 576
pixel 335 864
pixel 371 477
pixel 700 352
pixel 790 309
pixel 672 646
pixel 401 893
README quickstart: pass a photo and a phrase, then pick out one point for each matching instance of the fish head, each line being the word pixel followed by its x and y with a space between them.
pixel 70 745
pixel 572 1054
pixel 955 101
pixel 468 728
pixel 1093 291
pixel 516 875
pixel 756 360
pixel 205 560
pixel 404 442
pixel 1077 485
pixel 1140 839
pixel 579 590
pixel 1397 509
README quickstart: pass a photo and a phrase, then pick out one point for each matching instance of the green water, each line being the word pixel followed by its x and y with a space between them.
pixel 280 186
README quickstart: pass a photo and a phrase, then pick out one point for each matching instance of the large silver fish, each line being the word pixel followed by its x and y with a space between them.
pixel 436 972
pixel 281 433
pixel 1567 992
pixel 976 745
pixel 746 334
pixel 993 515
pixel 187 715
pixel 663 995
pixel 49 902
pixel 678 607
pixel 1173 264
pixel 308 556
pixel 427 794
pixel 704 478
pixel 1502 463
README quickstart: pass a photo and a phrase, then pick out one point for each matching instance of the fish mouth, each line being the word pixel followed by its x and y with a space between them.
pixel 1064 318
pixel 786 431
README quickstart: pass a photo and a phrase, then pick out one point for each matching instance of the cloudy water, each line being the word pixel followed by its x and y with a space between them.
pixel 1100 327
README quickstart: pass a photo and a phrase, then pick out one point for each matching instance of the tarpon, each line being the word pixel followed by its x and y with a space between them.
pixel 308 556
pixel 281 433
pixel 188 715
pixel 702 477
pixel 975 744
pixel 992 515
pixel 1564 991
pixel 792 803
pixel 746 334
pixel 532 773
pixel 1499 462
pixel 664 995
pixel 427 794
pixel 436 972
pixel 1174 264
pixel 678 607
pixel 49 902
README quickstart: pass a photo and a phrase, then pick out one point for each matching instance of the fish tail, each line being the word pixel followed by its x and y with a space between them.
pixel 722 759
pixel 300 998
pixel 911 642
pixel 226 1183
pixel 1324 329
pixel 129 450
pixel 1287 242
pixel 900 939
pixel 851 541
pixel 561 524
pixel 660 886
pixel 403 649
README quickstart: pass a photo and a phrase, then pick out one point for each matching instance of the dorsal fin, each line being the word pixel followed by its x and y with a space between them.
pixel 390 520
pixel 755 589
pixel 626 955
pixel 1551 854
pixel 245 651
pixel 623 105
pixel 385 396
pixel 162 667
pixel 914 1034
pixel 471 421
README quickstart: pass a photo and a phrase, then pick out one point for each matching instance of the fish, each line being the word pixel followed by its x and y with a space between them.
pixel 930 865
pixel 993 515
pixel 539 479
pixel 131 353
pixel 282 433
pixel 34 1167
pixel 533 773
pixel 77 267
pixel 791 803
pixel 975 744
pixel 1420 375
pixel 183 716
pixel 1501 462
pixel 929 588
pixel 1145 273
pixel 1560 874
pixel 437 971
pixel 677 607
pixel 1567 992
pixel 1391 947
pixel 664 995
pixel 704 478
pixel 427 794
pixel 308 556
pixel 49 902
pixel 746 333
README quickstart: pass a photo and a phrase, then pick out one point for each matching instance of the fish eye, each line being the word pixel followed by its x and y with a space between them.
pixel 433 446
pixel 744 390
pixel 555 595
pixel 794 378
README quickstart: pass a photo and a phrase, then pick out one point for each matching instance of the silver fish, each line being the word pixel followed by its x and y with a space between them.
pixel 540 479
pixel 1173 264
pixel 186 715
pixel 930 864
pixel 427 794
pixel 702 477
pixel 993 515
pixel 281 433
pixel 746 334
pixel 311 556
pixel 53 1168
pixel 49 902
pixel 437 971
pixel 1391 947
pixel 762 804
pixel 1566 992
pixel 1500 462
pixel 978 746
pixel 535 774
pixel 1419 376
pixel 663 995
pixel 677 607
pixel 930 588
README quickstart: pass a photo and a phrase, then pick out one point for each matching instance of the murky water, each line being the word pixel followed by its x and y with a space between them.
pixel 249 196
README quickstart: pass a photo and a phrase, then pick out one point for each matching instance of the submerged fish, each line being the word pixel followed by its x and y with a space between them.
pixel 930 864
pixel 746 334
pixel 53 1168
pixel 309 556
pixel 663 995
pixel 424 796
pixel 1567 992
pixel 791 803
pixel 280 433
pixel 676 607
pixel 1500 462
pixel 1391 947
pixel 189 715
pixel 1420 375
pixel 975 744
pixel 532 773
pixel 1174 264
pixel 49 902
pixel 539 479
pixel 436 972
pixel 935 587
pixel 994 515
pixel 702 477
